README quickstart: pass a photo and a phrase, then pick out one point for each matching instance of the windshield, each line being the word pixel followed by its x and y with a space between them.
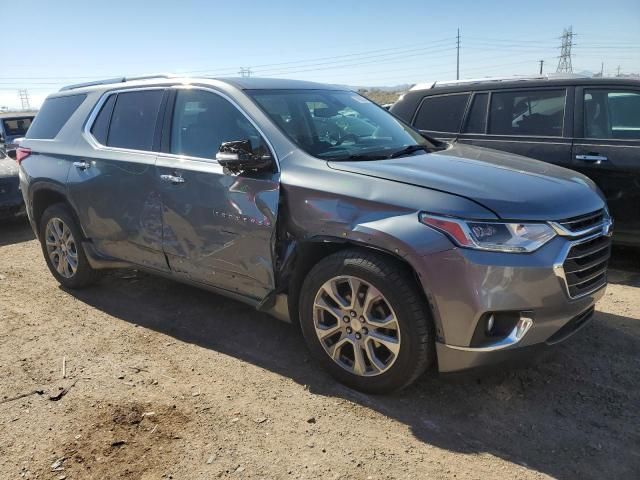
pixel 339 125
pixel 17 127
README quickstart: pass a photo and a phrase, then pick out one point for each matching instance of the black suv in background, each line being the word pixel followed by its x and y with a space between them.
pixel 591 125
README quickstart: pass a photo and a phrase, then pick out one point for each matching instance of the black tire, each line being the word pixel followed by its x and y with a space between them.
pixel 400 289
pixel 84 275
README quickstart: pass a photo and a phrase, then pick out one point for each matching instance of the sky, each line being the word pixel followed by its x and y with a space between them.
pixel 361 43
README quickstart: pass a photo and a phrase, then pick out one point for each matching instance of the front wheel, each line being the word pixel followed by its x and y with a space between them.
pixel 61 238
pixel 366 322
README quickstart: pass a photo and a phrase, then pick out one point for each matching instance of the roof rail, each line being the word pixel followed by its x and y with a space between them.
pixel 513 78
pixel 109 81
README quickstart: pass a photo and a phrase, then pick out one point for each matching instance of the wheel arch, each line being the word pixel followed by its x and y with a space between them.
pixel 302 256
pixel 45 194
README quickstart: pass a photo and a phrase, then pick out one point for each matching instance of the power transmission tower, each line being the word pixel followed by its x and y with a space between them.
pixel 24 99
pixel 245 72
pixel 541 62
pixel 458 56
pixel 564 64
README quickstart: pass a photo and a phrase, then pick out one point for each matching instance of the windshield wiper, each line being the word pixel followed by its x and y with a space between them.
pixel 360 157
pixel 410 149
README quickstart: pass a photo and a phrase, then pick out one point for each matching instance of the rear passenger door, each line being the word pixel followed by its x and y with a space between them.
pixel 607 149
pixel 114 188
pixel 219 227
pixel 535 123
pixel 440 116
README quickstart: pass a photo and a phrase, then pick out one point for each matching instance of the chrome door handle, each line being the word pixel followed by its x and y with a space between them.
pixel 172 178
pixel 592 158
pixel 82 165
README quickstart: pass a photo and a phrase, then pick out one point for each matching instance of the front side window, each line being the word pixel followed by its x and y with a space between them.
pixel 133 121
pixel 202 121
pixel 612 114
pixel 531 113
pixel 442 113
pixel 333 124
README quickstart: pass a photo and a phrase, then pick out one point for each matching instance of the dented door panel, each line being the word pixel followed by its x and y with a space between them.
pixel 219 229
pixel 118 205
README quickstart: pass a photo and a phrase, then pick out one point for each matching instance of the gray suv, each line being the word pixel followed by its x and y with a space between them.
pixel 392 251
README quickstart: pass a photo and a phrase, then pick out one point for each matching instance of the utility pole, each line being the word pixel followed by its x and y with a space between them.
pixel 245 72
pixel 602 70
pixel 618 71
pixel 564 64
pixel 24 99
pixel 541 64
pixel 458 55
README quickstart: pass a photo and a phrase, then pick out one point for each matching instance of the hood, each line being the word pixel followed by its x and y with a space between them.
pixel 8 167
pixel 512 186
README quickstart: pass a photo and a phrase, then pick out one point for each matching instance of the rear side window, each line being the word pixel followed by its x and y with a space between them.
pixel 55 112
pixel 442 113
pixel 612 114
pixel 536 112
pixel 100 128
pixel 133 121
pixel 477 118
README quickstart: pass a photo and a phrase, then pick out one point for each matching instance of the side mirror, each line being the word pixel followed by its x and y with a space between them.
pixel 238 156
pixel 12 153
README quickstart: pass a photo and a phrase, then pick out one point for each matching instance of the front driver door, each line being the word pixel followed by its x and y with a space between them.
pixel 607 149
pixel 218 228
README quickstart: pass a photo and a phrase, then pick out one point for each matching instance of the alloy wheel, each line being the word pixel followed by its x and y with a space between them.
pixel 356 326
pixel 61 247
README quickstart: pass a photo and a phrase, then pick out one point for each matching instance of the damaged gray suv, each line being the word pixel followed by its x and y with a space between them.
pixel 393 252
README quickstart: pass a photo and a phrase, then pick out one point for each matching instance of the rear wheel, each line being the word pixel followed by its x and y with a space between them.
pixel 365 321
pixel 61 238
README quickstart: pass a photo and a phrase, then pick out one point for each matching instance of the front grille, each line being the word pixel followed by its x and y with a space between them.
pixel 583 222
pixel 585 268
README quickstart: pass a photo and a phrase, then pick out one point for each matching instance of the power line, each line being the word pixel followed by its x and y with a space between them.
pixel 395 59
pixel 366 53
pixel 394 52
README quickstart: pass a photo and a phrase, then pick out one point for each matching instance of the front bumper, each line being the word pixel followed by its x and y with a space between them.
pixel 454 359
pixel 465 286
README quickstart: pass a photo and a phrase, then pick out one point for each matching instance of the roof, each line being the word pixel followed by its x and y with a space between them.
pixel 242 83
pixel 254 83
pixel 515 82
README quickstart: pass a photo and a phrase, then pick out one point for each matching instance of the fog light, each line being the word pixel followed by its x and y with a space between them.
pixel 490 323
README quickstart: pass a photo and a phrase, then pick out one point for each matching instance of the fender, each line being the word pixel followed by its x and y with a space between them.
pixel 409 243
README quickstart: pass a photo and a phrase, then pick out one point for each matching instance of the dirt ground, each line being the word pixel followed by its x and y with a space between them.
pixel 167 381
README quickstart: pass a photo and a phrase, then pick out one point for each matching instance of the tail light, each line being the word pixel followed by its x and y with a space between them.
pixel 22 153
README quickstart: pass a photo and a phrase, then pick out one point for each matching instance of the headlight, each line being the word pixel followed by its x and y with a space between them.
pixel 494 236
